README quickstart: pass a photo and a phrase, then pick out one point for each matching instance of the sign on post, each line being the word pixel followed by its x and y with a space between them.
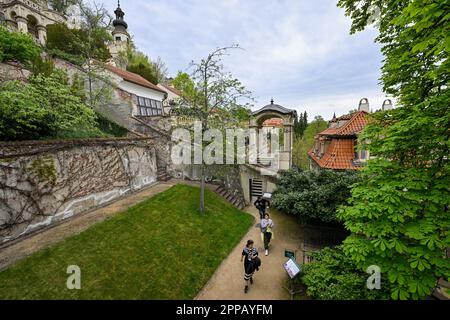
pixel 292 268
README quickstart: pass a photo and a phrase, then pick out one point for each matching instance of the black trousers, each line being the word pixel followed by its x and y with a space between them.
pixel 267 237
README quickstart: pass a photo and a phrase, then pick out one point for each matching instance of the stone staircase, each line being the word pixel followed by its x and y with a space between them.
pixel 162 175
pixel 235 201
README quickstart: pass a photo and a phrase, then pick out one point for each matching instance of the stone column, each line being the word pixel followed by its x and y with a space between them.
pixel 22 24
pixel 42 34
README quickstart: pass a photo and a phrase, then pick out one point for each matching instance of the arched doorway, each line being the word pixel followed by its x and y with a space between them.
pixel 32 26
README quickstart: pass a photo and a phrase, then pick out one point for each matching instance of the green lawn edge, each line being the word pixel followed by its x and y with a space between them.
pixel 159 249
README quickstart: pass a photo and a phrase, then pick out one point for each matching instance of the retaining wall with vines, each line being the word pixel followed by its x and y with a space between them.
pixel 46 182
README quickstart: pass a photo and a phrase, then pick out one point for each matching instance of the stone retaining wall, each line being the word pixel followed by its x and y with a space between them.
pixel 43 183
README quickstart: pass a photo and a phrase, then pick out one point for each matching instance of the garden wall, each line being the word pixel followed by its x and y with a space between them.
pixel 43 183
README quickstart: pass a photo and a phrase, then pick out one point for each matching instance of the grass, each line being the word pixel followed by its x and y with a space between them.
pixel 161 249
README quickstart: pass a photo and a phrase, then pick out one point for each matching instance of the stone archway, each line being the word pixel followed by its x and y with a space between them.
pixel 287 120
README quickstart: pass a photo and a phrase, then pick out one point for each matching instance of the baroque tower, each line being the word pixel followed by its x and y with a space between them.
pixel 121 37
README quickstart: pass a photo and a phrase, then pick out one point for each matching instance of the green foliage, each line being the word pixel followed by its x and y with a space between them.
pixel 110 128
pixel 167 227
pixel 300 125
pixel 334 276
pixel 44 66
pixel 313 194
pixel 44 169
pixel 138 62
pixel 44 108
pixel 399 212
pixel 145 70
pixel 303 144
pixel 17 46
pixel 73 44
pixel 184 83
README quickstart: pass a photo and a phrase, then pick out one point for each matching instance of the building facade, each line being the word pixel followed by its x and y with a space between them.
pixel 30 16
pixel 338 147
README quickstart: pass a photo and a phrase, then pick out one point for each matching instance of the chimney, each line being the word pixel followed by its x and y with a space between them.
pixel 387 105
pixel 364 105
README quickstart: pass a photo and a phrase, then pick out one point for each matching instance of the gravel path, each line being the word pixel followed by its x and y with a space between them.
pixel 227 282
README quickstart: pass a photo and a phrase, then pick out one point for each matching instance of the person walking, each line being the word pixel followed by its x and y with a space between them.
pixel 266 232
pixel 251 263
pixel 261 204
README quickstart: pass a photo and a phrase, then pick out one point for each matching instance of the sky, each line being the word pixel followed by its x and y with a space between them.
pixel 300 52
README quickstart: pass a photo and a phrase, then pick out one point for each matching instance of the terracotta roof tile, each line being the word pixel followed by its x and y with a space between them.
pixel 354 126
pixel 338 156
pixel 133 78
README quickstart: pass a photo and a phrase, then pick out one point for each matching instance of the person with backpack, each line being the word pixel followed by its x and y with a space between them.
pixel 261 204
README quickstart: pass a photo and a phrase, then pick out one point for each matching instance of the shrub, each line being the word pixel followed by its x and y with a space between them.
pixel 17 46
pixel 71 44
pixel 44 108
pixel 333 276
pixel 313 195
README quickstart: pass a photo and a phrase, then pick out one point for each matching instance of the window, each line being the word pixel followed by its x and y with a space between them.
pixel 149 107
pixel 118 38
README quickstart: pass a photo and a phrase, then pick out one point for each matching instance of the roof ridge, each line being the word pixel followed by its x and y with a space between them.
pixel 350 122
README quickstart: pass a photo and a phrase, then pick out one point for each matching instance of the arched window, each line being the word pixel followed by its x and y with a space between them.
pixel 32 26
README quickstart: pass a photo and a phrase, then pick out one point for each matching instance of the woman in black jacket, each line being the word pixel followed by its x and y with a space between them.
pixel 251 263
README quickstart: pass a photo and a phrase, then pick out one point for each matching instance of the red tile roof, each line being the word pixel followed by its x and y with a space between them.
pixel 338 156
pixel 354 126
pixel 340 152
pixel 133 78
pixel 275 122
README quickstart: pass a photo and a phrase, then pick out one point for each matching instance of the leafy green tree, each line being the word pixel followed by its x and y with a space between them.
pixel 215 95
pixel 399 212
pixel 138 62
pixel 313 195
pixel 17 46
pixel 334 276
pixel 145 70
pixel 43 108
pixel 303 144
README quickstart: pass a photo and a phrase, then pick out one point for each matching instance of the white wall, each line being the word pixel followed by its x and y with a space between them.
pixel 141 91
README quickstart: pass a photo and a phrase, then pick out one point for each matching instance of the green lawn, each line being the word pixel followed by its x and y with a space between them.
pixel 159 249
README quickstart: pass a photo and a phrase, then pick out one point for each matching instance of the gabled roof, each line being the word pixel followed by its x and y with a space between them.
pixel 134 78
pixel 339 155
pixel 356 123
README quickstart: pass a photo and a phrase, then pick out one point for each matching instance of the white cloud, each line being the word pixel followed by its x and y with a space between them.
pixel 298 51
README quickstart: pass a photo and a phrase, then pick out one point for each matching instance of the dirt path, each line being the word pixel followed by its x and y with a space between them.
pixel 33 243
pixel 227 282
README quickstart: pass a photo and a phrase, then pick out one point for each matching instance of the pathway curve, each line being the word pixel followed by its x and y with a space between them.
pixel 227 282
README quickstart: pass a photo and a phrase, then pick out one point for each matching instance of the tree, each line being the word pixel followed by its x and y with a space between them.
pixel 313 195
pixel 17 46
pixel 139 63
pixel 61 6
pixel 306 142
pixel 44 108
pixel 399 212
pixel 215 95
pixel 334 276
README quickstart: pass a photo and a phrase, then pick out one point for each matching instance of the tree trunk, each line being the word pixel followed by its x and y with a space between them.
pixel 202 191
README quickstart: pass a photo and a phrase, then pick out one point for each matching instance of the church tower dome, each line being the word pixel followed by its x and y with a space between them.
pixel 120 32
